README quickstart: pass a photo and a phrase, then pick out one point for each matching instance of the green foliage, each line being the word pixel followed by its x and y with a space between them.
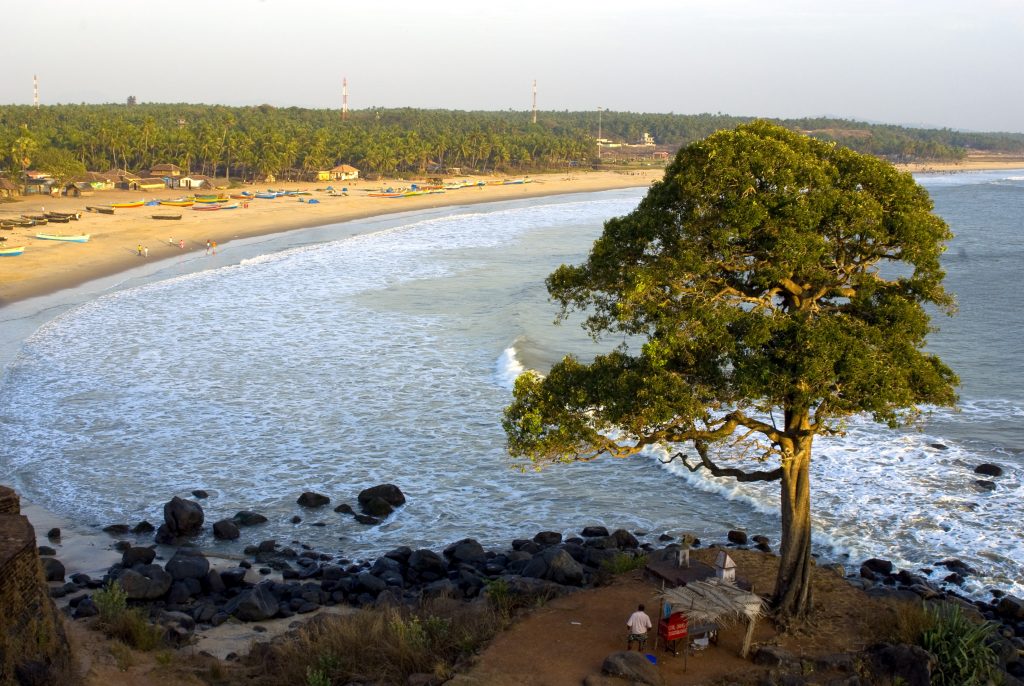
pixel 126 624
pixel 623 562
pixel 111 601
pixel 776 285
pixel 961 646
pixel 383 645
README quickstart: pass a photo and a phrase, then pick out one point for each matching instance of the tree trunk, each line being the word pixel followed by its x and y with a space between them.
pixel 793 587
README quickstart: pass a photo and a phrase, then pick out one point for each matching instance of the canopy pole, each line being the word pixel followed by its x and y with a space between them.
pixel 749 636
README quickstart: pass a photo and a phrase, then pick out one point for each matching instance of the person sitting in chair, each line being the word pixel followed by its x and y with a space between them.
pixel 638 623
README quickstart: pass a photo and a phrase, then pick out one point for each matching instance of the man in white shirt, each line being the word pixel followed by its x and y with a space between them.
pixel 638 624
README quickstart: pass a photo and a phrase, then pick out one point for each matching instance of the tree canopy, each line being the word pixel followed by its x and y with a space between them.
pixel 777 283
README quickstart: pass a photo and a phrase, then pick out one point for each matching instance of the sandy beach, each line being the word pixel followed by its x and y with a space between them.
pixel 49 266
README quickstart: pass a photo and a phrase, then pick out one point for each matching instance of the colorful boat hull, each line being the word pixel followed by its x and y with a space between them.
pixel 11 252
pixel 82 238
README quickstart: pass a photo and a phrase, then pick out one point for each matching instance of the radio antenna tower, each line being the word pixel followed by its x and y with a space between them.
pixel 35 91
pixel 535 101
pixel 344 99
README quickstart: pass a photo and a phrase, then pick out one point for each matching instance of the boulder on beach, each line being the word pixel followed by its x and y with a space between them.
pixel 377 507
pixel 248 518
pixel 187 564
pixel 137 555
pixel 226 530
pixel 987 469
pixel 555 564
pixel 53 569
pixel 389 493
pixel 311 499
pixel 253 605
pixel 182 518
pixel 634 667
pixel 146 582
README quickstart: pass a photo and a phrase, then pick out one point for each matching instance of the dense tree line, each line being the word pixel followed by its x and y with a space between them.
pixel 256 141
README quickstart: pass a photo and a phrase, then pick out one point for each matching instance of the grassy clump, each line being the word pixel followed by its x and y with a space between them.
pixel 127 624
pixel 386 645
pixel 961 646
pixel 622 563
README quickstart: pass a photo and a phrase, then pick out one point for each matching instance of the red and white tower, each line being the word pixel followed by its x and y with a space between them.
pixel 35 91
pixel 344 99
pixel 535 101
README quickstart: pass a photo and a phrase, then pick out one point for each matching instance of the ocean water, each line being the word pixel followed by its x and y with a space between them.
pixel 341 361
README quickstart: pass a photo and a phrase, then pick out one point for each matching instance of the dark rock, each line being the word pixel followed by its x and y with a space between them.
pixel 547 538
pixel 117 529
pixel 85 608
pixel 554 564
pixel 311 499
pixel 187 564
pixel 345 508
pixel 145 582
pixel 179 593
pixel 1011 607
pixel 143 527
pixel 53 570
pixel 369 583
pixel 634 667
pixel 53 534
pixel 426 565
pixel 958 566
pixel 226 530
pixel 232 578
pixel 910 665
pixel 183 517
pixel 624 539
pixel 367 519
pixel 200 493
pixel 466 550
pixel 737 537
pixel 389 493
pixel 883 567
pixel 137 555
pixel 296 519
pixel 121 546
pixel 47 550
pixel 377 507
pixel 665 538
pixel 80 579
pixel 987 469
pixel 248 518
pixel 253 605
pixel 983 485
pixel 267 546
pixel 939 446
pixel 401 554
pixel 954 578
pixel 591 531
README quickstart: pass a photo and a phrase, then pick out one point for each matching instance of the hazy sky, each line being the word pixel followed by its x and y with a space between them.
pixel 934 62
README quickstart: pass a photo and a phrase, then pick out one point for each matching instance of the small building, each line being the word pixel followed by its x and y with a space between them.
pixel 38 183
pixel 725 568
pixel 78 189
pixel 343 172
pixel 121 178
pixel 9 189
pixel 166 170
pixel 192 181
pixel 148 184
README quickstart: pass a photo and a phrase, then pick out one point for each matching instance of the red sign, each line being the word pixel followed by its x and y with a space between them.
pixel 673 628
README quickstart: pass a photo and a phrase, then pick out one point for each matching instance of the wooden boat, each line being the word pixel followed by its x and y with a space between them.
pixel 266 196
pixel 101 209
pixel 206 208
pixel 230 206
pixel 182 202
pixel 241 196
pixel 11 224
pixel 386 195
pixel 36 219
pixel 211 198
pixel 11 252
pixel 81 238
pixel 69 215
pixel 166 216
pixel 134 203
pixel 58 220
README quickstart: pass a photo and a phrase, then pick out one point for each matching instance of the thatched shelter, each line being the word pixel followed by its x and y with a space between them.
pixel 714 601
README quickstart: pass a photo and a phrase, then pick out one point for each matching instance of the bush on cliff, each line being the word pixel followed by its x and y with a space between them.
pixel 127 624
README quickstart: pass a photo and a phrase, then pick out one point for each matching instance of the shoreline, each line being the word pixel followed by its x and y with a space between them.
pixel 48 267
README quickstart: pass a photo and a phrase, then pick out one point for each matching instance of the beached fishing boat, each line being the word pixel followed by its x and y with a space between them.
pixel 211 198
pixel 166 216
pixel 11 252
pixel 181 202
pixel 102 209
pixel 81 238
pixel 36 219
pixel 58 220
pixel 16 223
pixel 266 196
pixel 134 203
pixel 75 216
pixel 386 195
pixel 230 206
pixel 206 208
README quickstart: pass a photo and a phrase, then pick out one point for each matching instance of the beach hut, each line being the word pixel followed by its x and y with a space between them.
pixel 192 181
pixel 172 171
pixel 150 184
pixel 78 189
pixel 343 172
pixel 712 603
pixel 9 189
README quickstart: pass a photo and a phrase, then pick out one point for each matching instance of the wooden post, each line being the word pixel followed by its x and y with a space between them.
pixel 749 636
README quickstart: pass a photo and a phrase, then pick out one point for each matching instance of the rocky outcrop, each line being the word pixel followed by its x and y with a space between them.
pixel 33 645
pixel 182 518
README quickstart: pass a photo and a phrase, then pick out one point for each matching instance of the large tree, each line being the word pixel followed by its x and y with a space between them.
pixel 778 284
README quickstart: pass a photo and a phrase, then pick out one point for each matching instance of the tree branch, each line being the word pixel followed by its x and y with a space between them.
pixel 738 474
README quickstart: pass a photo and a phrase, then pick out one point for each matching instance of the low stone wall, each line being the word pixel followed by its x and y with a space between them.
pixel 33 646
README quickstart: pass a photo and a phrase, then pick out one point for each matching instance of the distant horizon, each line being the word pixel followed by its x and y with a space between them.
pixel 527 112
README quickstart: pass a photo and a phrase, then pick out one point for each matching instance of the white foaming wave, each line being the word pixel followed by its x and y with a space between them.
pixel 508 368
pixel 966 178
pixel 883 493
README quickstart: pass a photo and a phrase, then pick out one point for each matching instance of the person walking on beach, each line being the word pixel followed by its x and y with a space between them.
pixel 139 249
pixel 145 251
pixel 638 624
pixel 207 246
pixel 170 241
pixel 215 247
pixel 181 244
